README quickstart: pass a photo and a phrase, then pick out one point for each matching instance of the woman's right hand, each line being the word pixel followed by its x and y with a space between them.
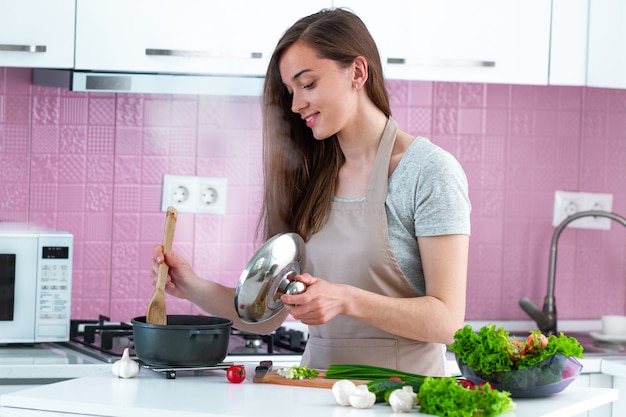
pixel 180 277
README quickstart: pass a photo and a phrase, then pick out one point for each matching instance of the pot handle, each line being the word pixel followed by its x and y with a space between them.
pixel 208 332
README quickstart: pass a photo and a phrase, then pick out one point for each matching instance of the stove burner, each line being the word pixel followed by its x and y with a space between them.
pixel 253 342
pixel 290 339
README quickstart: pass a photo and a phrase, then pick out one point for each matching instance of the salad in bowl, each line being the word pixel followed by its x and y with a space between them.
pixel 537 366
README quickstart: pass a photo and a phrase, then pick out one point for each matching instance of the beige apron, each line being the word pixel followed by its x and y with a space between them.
pixel 353 248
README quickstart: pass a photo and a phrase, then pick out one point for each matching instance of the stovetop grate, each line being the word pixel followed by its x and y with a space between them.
pixel 170 372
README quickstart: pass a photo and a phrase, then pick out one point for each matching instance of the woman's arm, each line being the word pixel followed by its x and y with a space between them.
pixel 214 298
pixel 434 317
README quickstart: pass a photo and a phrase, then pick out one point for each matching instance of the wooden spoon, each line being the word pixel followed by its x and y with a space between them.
pixel 156 313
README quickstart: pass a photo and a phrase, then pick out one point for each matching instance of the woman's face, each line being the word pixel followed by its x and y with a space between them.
pixel 322 92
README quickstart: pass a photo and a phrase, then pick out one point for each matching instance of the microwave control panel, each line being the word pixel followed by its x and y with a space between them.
pixel 54 292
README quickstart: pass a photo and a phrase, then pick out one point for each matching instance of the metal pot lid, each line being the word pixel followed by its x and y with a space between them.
pixel 269 274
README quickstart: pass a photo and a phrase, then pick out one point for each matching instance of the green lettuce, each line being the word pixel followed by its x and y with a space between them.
pixel 445 397
pixel 488 349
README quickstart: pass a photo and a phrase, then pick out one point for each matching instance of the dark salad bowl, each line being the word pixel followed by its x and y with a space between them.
pixel 550 376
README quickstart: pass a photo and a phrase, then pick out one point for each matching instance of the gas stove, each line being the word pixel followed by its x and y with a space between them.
pixel 105 340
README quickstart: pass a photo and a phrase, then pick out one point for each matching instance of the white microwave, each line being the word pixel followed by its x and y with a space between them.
pixel 35 284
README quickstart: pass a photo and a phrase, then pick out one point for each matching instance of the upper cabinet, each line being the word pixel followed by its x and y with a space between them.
pixel 607 44
pixel 37 33
pixel 568 48
pixel 234 37
pixel 492 41
pixel 588 46
pixel 541 42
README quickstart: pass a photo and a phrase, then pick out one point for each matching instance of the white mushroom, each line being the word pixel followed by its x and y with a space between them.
pixel 403 400
pixel 342 390
pixel 361 397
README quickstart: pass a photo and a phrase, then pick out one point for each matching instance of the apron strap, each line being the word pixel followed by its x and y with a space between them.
pixel 379 178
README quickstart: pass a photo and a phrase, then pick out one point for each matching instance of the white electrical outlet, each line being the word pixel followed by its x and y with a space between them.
pixel 211 196
pixel 178 192
pixel 189 194
pixel 567 203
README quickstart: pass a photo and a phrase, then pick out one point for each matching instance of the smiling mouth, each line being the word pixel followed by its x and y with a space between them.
pixel 309 120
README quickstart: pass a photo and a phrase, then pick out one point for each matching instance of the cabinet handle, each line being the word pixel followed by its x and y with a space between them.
pixel 197 54
pixel 442 62
pixel 22 48
pixel 112 82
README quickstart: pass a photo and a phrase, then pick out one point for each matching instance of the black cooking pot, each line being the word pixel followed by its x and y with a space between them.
pixel 185 340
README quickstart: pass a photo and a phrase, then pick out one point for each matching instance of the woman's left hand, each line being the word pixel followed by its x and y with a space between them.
pixel 318 304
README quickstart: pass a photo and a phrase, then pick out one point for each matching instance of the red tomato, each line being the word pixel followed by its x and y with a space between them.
pixel 484 386
pixel 395 378
pixel 466 383
pixel 236 373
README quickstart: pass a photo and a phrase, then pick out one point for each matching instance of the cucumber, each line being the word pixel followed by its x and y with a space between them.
pixel 380 386
pixel 415 384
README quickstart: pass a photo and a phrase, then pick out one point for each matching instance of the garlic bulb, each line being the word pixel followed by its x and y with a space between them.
pixel 361 397
pixel 403 400
pixel 125 367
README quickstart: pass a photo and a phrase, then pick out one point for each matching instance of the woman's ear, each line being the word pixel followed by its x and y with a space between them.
pixel 359 72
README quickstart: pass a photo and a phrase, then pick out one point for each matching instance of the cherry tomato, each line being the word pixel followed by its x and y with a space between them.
pixel 484 386
pixel 236 373
pixel 466 383
pixel 395 378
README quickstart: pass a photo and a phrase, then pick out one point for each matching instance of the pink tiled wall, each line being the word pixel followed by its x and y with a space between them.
pixel 92 164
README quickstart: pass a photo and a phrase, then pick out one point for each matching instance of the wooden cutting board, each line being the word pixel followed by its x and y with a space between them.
pixel 319 381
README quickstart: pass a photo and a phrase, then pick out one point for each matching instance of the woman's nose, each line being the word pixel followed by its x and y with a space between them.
pixel 297 103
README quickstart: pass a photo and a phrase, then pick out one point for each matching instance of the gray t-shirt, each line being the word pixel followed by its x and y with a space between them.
pixel 427 196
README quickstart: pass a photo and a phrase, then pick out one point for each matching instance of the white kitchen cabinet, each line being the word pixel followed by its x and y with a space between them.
pixel 601 381
pixel 619 406
pixel 595 380
pixel 493 41
pixel 37 33
pixel 234 37
pixel 607 44
pixel 568 46
pixel 616 368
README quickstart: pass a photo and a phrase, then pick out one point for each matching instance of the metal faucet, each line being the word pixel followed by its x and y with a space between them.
pixel 546 317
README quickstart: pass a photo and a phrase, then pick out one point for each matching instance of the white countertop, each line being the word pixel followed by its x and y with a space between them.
pixel 152 395
pixel 46 361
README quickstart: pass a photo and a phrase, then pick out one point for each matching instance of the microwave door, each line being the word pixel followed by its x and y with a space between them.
pixel 7 286
pixel 19 288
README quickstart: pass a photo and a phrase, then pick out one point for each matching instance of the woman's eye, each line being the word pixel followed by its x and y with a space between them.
pixel 308 86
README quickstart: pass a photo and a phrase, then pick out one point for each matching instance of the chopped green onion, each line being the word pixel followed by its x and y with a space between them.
pixel 298 372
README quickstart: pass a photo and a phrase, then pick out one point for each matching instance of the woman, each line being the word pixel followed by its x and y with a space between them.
pixel 385 215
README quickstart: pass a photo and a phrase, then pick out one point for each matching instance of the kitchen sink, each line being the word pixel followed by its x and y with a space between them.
pixel 592 347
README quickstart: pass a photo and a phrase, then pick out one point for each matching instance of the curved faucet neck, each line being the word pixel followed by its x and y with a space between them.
pixel 546 318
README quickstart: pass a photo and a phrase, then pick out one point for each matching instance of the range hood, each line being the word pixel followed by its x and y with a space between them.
pixel 111 82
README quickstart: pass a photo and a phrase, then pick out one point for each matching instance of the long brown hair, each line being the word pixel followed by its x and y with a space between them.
pixel 300 171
